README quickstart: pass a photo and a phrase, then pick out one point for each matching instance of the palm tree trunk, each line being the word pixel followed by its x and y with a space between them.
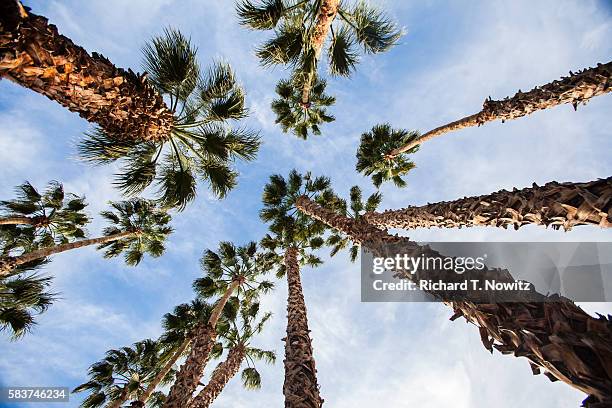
pixel 122 398
pixel 9 263
pixel 300 388
pixel 575 89
pixel 559 205
pixel 327 14
pixel 191 371
pixel 21 220
pixel 557 337
pixel 164 371
pixel 220 377
pixel 34 54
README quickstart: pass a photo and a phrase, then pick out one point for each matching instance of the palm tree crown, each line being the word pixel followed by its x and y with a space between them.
pixel 42 219
pixel 148 224
pixel 201 142
pixel 355 210
pixel 232 264
pixel 291 114
pixel 372 159
pixel 301 29
pixel 21 297
pixel 121 375
pixel 289 227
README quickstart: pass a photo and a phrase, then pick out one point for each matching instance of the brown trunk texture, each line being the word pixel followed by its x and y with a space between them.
pixel 220 377
pixel 35 221
pixel 122 398
pixel 164 371
pixel 9 263
pixel 559 205
pixel 300 388
pixel 577 88
pixel 557 337
pixel 191 371
pixel 327 14
pixel 34 55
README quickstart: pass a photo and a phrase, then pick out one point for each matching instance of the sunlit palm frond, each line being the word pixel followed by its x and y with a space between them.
pixel 374 31
pixel 262 16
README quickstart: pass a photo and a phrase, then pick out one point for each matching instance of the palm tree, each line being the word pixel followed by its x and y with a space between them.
pixel 169 144
pixel 34 54
pixel 289 244
pixel 559 205
pixel 301 29
pixel 230 272
pixel 572 350
pixel 238 341
pixel 44 219
pixel 122 375
pixel 137 227
pixel 201 141
pixel 356 210
pixel 291 113
pixel 21 298
pixel 179 328
pixel 383 138
pixel 379 150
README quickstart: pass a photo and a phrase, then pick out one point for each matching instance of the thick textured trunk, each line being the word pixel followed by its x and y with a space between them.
pixel 188 377
pixel 327 14
pixel 164 371
pixel 300 389
pixel 122 398
pixel 559 205
pixel 557 337
pixel 22 220
pixel 220 377
pixel 33 54
pixel 9 263
pixel 575 89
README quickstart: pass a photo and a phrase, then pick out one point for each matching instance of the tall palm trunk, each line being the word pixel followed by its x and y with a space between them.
pixel 191 371
pixel 560 205
pixel 557 337
pixel 34 54
pixel 164 371
pixel 22 220
pixel 9 263
pixel 300 388
pixel 220 377
pixel 575 89
pixel 325 18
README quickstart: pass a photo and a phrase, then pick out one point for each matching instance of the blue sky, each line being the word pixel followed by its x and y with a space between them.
pixel 455 54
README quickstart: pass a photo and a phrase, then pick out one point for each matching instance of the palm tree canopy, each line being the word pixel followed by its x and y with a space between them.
pixel 288 227
pixel 122 372
pixel 293 115
pixel 202 142
pixel 355 210
pixel 22 296
pixel 232 264
pixel 244 326
pixel 55 217
pixel 372 159
pixel 148 222
pixel 293 21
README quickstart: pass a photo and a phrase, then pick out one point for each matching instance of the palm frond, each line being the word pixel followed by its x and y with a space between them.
pixel 372 28
pixel 263 16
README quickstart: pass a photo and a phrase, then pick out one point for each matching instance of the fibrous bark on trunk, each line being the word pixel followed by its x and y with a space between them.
pixel 327 13
pixel 122 398
pixel 559 205
pixel 557 337
pixel 34 221
pixel 577 88
pixel 9 263
pixel 164 371
pixel 191 371
pixel 204 337
pixel 34 54
pixel 220 377
pixel 300 388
